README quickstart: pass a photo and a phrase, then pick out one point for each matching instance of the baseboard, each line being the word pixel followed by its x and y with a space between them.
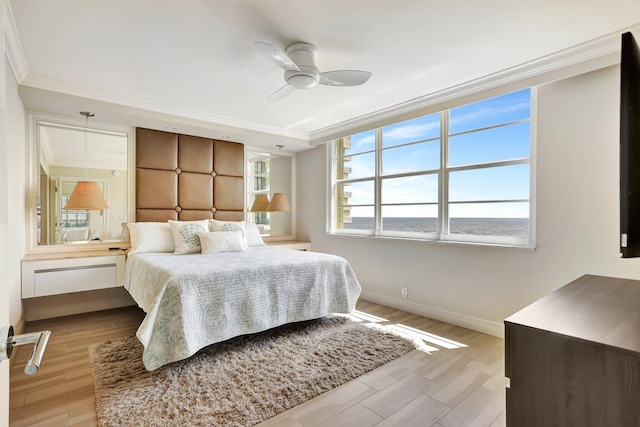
pixel 475 323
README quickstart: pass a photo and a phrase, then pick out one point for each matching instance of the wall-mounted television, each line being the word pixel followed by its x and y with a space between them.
pixel 630 148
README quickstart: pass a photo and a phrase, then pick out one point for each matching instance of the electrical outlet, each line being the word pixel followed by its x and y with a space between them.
pixel 405 292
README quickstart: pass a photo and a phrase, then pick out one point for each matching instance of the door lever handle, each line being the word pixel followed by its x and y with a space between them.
pixel 38 339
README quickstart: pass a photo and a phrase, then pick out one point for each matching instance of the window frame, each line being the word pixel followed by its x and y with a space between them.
pixel 442 173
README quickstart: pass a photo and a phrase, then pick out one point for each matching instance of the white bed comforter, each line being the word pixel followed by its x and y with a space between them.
pixel 195 300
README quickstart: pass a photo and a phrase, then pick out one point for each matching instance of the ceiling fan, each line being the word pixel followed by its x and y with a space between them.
pixel 300 71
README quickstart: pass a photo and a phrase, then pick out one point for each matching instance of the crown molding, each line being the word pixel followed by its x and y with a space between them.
pixel 18 64
pixel 74 89
pixel 585 57
pixel 12 47
pixel 588 56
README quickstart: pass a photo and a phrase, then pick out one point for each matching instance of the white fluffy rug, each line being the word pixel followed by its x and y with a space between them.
pixel 239 382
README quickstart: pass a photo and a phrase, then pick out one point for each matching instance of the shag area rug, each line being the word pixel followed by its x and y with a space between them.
pixel 239 382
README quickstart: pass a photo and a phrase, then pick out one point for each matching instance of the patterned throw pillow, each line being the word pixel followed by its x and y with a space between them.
pixel 185 235
pixel 231 227
pixel 216 225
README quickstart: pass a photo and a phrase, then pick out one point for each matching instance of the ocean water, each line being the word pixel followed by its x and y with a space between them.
pixel 517 227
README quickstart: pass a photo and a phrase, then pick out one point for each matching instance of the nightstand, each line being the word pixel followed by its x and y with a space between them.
pixel 296 245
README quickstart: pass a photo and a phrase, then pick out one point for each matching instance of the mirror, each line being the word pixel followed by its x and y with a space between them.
pixel 268 174
pixel 78 226
pixel 63 154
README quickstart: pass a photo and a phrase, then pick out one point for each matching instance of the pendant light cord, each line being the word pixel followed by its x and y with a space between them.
pixel 86 115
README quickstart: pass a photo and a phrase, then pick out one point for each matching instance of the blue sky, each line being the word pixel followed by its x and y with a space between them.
pixel 502 143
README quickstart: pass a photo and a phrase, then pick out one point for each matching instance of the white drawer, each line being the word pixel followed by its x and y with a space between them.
pixel 74 279
pixel 64 273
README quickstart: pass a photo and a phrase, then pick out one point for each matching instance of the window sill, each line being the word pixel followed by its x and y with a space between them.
pixel 527 247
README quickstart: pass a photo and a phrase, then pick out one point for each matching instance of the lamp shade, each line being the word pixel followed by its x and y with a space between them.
pixel 86 196
pixel 279 203
pixel 260 204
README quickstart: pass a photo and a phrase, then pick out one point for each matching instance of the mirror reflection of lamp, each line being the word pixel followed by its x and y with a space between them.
pixel 260 204
pixel 86 194
pixel 279 203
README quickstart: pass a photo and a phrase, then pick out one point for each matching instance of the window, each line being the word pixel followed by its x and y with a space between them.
pixel 74 218
pixel 462 174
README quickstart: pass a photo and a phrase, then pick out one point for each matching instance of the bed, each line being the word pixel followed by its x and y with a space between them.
pixel 193 300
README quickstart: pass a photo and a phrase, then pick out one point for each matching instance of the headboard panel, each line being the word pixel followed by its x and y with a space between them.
pixel 183 177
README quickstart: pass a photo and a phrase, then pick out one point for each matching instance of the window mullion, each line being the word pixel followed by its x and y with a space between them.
pixel 443 193
pixel 378 184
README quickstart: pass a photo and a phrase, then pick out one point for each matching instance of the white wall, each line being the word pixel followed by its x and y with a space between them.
pixel 4 227
pixel 16 171
pixel 476 286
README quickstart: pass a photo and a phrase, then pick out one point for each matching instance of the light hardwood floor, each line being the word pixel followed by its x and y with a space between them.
pixel 458 381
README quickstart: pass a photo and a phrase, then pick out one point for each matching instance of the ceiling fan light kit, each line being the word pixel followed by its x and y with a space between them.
pixel 304 56
pixel 301 72
pixel 302 79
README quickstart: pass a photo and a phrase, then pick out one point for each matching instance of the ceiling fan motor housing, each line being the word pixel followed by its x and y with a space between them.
pixel 304 55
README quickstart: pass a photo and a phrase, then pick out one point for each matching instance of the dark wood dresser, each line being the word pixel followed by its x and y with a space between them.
pixel 573 357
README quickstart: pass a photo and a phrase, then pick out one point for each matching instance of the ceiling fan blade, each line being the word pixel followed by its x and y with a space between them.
pixel 284 91
pixel 344 77
pixel 276 56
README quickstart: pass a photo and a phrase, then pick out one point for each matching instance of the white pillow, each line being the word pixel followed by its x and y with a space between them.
pixel 79 235
pixel 215 225
pixel 150 237
pixel 222 241
pixel 252 235
pixel 185 235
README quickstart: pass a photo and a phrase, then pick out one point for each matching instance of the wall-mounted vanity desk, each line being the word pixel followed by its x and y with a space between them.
pixel 61 273
pixel 68 268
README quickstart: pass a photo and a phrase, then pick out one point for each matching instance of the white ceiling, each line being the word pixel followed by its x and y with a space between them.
pixel 192 64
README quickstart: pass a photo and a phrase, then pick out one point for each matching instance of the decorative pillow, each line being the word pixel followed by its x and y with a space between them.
pixel 215 225
pixel 185 235
pixel 222 241
pixel 150 237
pixel 252 235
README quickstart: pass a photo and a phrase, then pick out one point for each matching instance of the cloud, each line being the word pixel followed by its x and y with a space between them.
pixel 411 132
pixel 422 188
pixel 366 139
pixel 484 113
pixel 415 157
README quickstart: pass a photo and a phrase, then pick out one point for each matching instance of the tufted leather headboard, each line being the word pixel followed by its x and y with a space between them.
pixel 183 177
